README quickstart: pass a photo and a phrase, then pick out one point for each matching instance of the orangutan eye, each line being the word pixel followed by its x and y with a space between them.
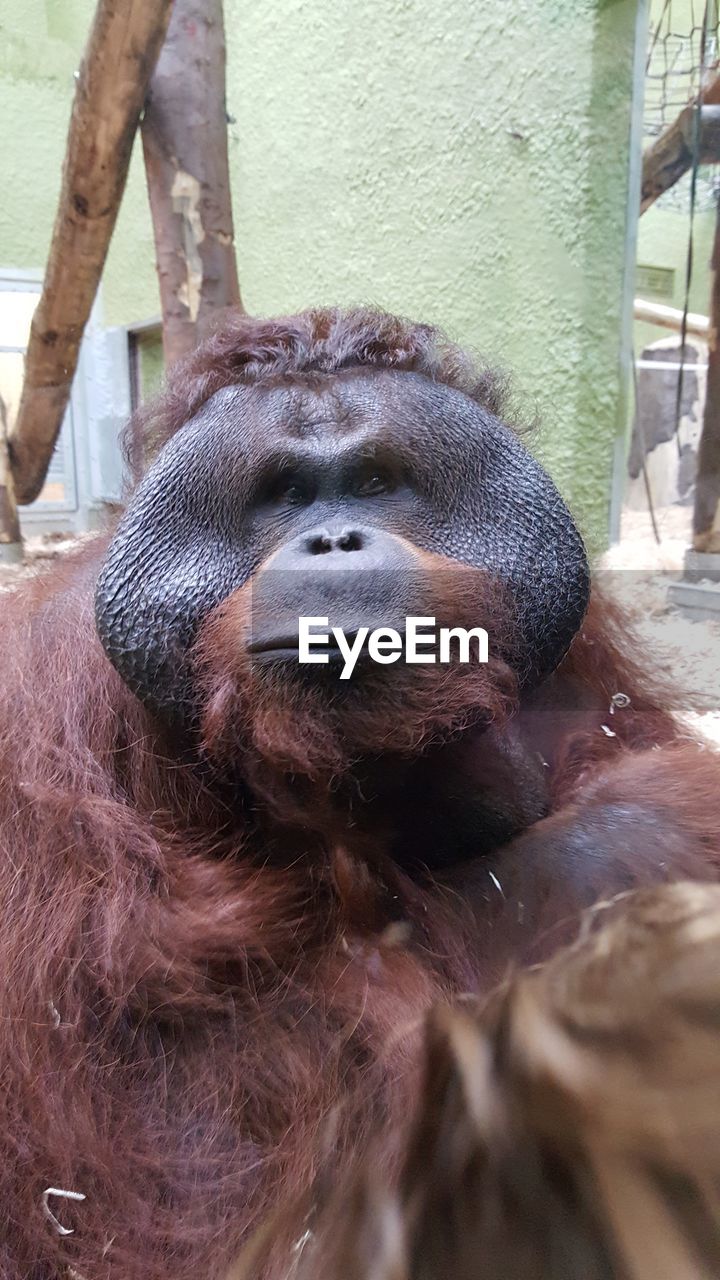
pixel 288 491
pixel 293 493
pixel 373 484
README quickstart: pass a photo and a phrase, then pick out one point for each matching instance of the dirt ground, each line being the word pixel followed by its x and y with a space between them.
pixel 637 570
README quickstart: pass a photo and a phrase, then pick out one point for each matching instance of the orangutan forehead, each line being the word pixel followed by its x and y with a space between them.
pixel 353 402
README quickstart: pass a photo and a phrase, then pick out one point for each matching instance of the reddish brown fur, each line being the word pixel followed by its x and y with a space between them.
pixel 270 725
pixel 250 351
pixel 203 1007
pixel 567 1130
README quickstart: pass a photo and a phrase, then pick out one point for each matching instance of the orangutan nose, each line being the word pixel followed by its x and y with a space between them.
pixel 323 543
pixel 329 549
pixel 354 575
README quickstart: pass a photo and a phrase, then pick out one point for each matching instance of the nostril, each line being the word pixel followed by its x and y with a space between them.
pixel 319 544
pixel 350 540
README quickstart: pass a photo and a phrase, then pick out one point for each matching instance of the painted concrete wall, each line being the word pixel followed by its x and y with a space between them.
pixel 663 237
pixel 465 162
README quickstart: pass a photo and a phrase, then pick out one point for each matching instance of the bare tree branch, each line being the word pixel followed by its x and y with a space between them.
pixel 184 133
pixel 706 514
pixel 671 154
pixel 10 537
pixel 124 43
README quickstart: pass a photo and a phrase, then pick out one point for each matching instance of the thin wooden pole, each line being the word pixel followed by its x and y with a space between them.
pixel 671 318
pixel 122 49
pixel 706 515
pixel 10 537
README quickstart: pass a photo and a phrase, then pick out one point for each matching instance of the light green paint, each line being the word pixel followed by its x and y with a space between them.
pixel 41 43
pixel 663 242
pixel 664 229
pixel 463 163
pixel 150 353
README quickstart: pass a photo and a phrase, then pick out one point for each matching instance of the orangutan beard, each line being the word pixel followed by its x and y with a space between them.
pixel 291 729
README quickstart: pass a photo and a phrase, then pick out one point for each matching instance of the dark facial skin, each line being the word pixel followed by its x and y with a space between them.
pixel 326 493
pixel 269 473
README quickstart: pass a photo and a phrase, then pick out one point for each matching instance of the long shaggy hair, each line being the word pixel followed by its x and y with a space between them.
pixel 246 351
pixel 203 1010
pixel 187 1027
pixel 295 740
pixel 567 1129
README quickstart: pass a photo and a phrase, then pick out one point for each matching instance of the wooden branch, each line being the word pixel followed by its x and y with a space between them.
pixel 184 134
pixel 671 318
pixel 671 154
pixel 708 142
pixel 122 49
pixel 10 536
pixel 706 514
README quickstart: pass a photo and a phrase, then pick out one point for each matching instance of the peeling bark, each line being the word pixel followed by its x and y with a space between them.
pixel 123 46
pixel 184 134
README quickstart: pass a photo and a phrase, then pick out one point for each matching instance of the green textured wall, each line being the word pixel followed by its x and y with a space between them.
pixel 463 162
pixel 663 242
pixel 41 42
pixel 152 366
